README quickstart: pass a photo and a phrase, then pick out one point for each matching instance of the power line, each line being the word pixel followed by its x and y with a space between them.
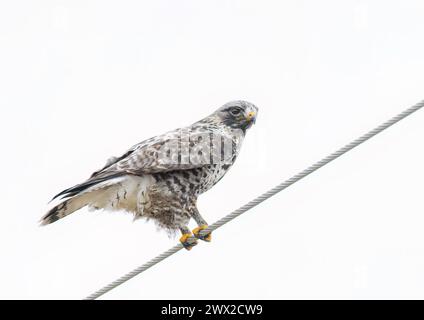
pixel 260 199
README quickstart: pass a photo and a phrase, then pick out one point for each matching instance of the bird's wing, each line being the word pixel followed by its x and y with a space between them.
pixel 177 150
pixel 169 152
pixel 111 161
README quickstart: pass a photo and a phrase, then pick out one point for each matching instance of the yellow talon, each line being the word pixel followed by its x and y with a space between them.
pixel 197 230
pixel 185 243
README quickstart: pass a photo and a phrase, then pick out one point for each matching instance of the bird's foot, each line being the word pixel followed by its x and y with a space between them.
pixel 188 244
pixel 198 235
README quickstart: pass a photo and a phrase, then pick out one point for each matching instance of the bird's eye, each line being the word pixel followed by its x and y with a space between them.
pixel 235 112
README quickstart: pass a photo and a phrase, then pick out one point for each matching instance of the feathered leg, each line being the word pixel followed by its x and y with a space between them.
pixel 202 224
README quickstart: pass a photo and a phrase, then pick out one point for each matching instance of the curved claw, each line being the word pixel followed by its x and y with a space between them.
pixel 188 244
pixel 207 237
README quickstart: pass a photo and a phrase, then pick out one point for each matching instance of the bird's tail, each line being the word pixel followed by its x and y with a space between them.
pixel 78 197
pixel 64 208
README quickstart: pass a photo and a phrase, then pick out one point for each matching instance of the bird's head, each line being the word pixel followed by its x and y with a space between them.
pixel 237 114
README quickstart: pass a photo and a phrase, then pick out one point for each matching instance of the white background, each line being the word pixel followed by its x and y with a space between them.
pixel 84 80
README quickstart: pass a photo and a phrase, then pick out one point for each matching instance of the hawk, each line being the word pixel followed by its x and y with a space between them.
pixel 161 178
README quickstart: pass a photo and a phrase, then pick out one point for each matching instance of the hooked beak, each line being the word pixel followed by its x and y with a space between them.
pixel 251 117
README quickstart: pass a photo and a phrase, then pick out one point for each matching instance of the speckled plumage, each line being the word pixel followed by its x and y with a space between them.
pixel 162 177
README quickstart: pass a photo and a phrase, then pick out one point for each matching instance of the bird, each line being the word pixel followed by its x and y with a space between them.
pixel 161 178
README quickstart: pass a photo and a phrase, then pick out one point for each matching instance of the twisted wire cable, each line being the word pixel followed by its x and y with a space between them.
pixel 260 199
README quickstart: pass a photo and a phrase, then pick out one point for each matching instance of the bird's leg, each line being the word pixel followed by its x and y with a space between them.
pixel 202 224
pixel 188 244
